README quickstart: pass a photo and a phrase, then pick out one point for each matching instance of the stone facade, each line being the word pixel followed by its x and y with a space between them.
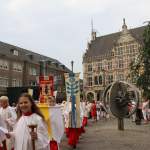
pixel 108 59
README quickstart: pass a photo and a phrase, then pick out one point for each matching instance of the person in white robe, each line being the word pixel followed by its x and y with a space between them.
pixel 29 114
pixel 145 106
pixel 2 133
pixel 85 113
pixel 73 132
pixel 66 113
pixel 9 116
pixel 56 120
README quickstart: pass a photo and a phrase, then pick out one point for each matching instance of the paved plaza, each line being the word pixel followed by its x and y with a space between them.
pixel 104 135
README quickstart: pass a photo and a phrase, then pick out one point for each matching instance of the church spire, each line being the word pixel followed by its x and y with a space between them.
pixel 91 25
pixel 93 33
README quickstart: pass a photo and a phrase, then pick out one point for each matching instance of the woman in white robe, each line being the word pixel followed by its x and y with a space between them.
pixel 29 114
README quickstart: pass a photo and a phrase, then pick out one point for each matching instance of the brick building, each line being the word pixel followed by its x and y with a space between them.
pixel 20 67
pixel 108 58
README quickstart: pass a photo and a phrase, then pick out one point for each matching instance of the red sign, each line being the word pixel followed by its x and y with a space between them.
pixel 46 87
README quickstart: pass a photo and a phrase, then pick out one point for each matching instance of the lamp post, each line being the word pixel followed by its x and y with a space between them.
pixel 103 70
pixel 72 62
pixel 43 67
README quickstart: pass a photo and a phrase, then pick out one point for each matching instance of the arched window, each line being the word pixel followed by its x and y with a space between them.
pixel 110 78
pixel 100 80
pixel 90 96
pixel 96 80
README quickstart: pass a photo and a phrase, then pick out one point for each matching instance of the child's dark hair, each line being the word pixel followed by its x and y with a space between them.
pixel 34 107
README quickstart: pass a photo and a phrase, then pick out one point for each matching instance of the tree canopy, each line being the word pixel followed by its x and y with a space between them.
pixel 140 69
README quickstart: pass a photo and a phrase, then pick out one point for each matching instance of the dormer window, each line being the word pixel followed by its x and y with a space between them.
pixel 14 52
pixel 56 64
pixel 31 57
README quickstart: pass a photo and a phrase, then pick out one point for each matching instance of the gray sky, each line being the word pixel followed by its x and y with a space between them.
pixel 61 28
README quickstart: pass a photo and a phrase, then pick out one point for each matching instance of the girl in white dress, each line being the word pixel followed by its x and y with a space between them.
pixel 29 115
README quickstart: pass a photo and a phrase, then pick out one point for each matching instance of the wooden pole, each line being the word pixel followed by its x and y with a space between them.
pixel 120 124
pixel 32 127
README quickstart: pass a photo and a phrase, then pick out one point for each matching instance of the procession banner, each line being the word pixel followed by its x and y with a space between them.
pixel 46 84
pixel 73 94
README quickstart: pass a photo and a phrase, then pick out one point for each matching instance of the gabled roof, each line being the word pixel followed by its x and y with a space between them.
pixel 24 55
pixel 104 44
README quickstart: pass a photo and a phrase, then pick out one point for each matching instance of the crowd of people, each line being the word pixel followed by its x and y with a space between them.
pixel 24 124
pixel 24 127
pixel 142 114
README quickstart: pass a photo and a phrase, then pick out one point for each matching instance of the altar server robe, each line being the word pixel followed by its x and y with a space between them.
pixel 9 116
pixel 22 135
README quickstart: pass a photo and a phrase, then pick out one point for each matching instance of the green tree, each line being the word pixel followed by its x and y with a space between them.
pixel 140 69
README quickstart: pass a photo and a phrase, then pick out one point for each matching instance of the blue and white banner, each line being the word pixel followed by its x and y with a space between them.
pixel 73 96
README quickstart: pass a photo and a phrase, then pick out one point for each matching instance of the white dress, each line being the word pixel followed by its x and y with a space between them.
pixel 22 135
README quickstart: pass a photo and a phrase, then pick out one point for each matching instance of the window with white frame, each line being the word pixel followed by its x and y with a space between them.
pixel 16 83
pixel 4 64
pixel 17 67
pixel 96 80
pixel 15 52
pixel 100 79
pixel 32 83
pixel 57 79
pixel 89 81
pixel 120 77
pixel 33 71
pixel 109 65
pixel 90 67
pixel 3 82
pixel 99 66
pixel 120 64
pixel 110 78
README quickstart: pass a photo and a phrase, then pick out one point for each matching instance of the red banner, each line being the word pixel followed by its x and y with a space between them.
pixel 46 87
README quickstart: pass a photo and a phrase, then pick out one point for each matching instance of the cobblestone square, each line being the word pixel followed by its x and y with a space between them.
pixel 104 135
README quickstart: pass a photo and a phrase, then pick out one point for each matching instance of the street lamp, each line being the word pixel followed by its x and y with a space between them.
pixel 72 62
pixel 43 66
pixel 103 70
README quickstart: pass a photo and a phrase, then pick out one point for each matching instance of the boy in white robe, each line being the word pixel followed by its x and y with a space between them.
pixel 9 116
